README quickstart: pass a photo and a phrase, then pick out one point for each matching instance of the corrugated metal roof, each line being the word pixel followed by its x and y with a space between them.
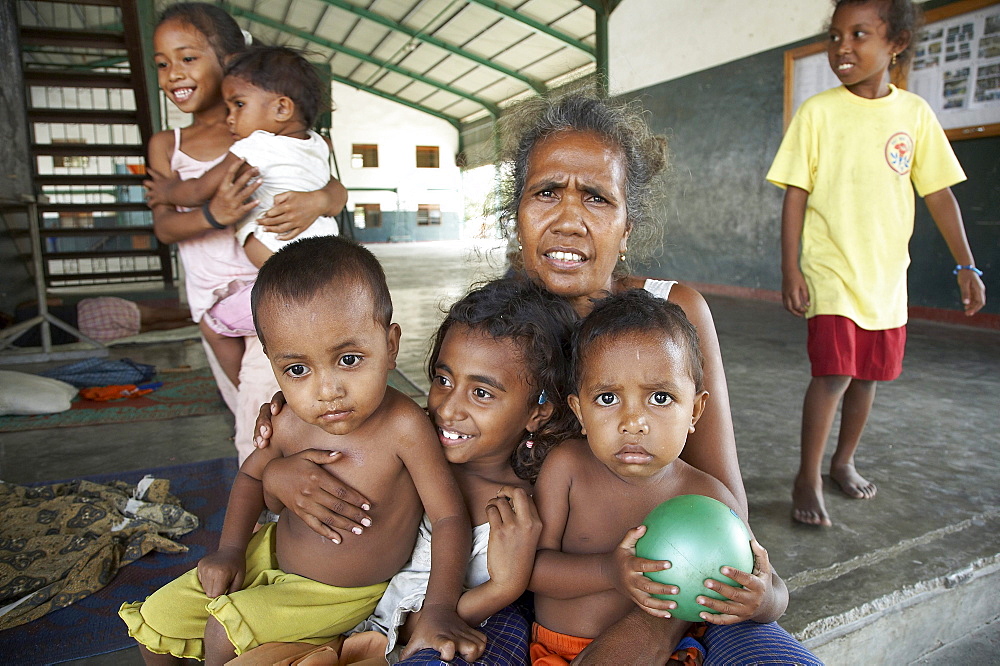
pixel 460 60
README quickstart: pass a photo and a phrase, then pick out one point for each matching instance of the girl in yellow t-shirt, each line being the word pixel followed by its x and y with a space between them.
pixel 849 163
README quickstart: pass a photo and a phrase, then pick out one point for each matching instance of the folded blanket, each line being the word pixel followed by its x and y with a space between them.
pixel 62 542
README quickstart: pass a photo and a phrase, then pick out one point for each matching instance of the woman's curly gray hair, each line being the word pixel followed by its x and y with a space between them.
pixel 622 124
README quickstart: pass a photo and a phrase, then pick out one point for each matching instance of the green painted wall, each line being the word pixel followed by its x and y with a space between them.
pixel 722 219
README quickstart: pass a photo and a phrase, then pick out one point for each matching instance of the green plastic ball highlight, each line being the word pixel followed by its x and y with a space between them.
pixel 698 535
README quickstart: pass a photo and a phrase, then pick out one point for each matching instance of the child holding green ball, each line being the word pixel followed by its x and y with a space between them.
pixel 638 372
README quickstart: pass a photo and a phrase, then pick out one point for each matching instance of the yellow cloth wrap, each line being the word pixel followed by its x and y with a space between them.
pixel 272 606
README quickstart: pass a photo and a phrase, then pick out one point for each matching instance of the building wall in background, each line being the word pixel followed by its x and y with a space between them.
pixel 362 118
pixel 721 218
pixel 653 41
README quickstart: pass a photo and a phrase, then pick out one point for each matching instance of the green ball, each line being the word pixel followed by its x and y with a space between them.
pixel 698 535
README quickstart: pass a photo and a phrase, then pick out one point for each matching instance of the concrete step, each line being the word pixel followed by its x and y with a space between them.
pixel 900 603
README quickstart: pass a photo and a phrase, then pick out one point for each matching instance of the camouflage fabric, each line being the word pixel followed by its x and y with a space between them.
pixel 62 542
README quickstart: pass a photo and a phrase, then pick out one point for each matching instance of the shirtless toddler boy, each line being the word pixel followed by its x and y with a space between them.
pixel 638 370
pixel 322 309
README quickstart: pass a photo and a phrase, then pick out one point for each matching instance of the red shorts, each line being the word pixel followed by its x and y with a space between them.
pixel 838 346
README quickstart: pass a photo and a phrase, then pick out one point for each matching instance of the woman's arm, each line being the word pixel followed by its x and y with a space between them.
pixel 625 637
pixel 712 446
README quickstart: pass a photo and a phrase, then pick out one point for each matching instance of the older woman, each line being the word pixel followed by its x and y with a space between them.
pixel 576 204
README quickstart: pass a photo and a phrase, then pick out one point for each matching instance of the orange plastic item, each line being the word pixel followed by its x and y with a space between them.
pixel 117 392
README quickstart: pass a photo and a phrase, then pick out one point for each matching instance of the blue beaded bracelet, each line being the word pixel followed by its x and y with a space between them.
pixel 960 267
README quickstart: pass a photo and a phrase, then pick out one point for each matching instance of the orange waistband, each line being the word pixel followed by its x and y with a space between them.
pixel 561 643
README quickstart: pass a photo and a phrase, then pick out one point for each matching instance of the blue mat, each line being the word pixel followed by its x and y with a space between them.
pixel 91 626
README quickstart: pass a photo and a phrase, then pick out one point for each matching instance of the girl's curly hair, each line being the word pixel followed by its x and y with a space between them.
pixel 622 124
pixel 541 325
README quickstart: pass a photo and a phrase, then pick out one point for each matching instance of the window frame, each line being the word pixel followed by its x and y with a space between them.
pixel 365 151
pixel 428 210
pixel 431 154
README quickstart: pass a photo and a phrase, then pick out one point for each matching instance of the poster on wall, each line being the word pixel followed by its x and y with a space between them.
pixel 955 67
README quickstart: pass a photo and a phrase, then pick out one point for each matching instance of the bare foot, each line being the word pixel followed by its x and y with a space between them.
pixel 807 504
pixel 853 484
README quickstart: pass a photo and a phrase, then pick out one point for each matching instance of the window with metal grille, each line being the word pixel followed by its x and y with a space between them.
pixel 367 216
pixel 364 155
pixel 427 157
pixel 428 214
pixel 71 161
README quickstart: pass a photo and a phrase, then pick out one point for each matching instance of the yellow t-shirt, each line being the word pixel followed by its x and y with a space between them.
pixel 856 158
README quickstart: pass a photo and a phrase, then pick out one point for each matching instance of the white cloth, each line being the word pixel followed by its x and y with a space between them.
pixel 286 164
pixel 407 588
pixel 25 394
pixel 659 288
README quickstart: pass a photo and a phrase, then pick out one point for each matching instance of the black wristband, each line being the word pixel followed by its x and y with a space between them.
pixel 211 218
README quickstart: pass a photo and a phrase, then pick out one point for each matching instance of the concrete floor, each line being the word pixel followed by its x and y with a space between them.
pixel 903 578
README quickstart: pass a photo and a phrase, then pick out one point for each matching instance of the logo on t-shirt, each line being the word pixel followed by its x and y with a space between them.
pixel 899 153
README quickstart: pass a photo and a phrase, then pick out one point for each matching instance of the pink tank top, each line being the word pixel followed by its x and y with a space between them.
pixel 214 259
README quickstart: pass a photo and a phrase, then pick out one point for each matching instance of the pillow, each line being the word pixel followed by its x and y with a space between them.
pixel 23 393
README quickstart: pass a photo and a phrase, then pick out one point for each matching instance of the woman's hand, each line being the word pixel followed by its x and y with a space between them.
pixel 323 502
pixel 222 572
pixel 629 580
pixel 293 213
pixel 440 628
pixel 740 603
pixel 263 423
pixel 514 531
pixel 795 292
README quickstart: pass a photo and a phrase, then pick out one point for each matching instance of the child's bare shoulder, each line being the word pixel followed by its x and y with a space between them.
pixel 570 459
pixel 399 416
pixel 571 451
pixel 693 481
pixel 292 434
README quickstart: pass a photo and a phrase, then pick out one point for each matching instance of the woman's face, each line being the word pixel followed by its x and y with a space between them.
pixel 572 221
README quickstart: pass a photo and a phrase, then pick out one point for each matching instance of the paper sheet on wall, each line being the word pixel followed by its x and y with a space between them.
pixel 956 68
pixel 812 76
